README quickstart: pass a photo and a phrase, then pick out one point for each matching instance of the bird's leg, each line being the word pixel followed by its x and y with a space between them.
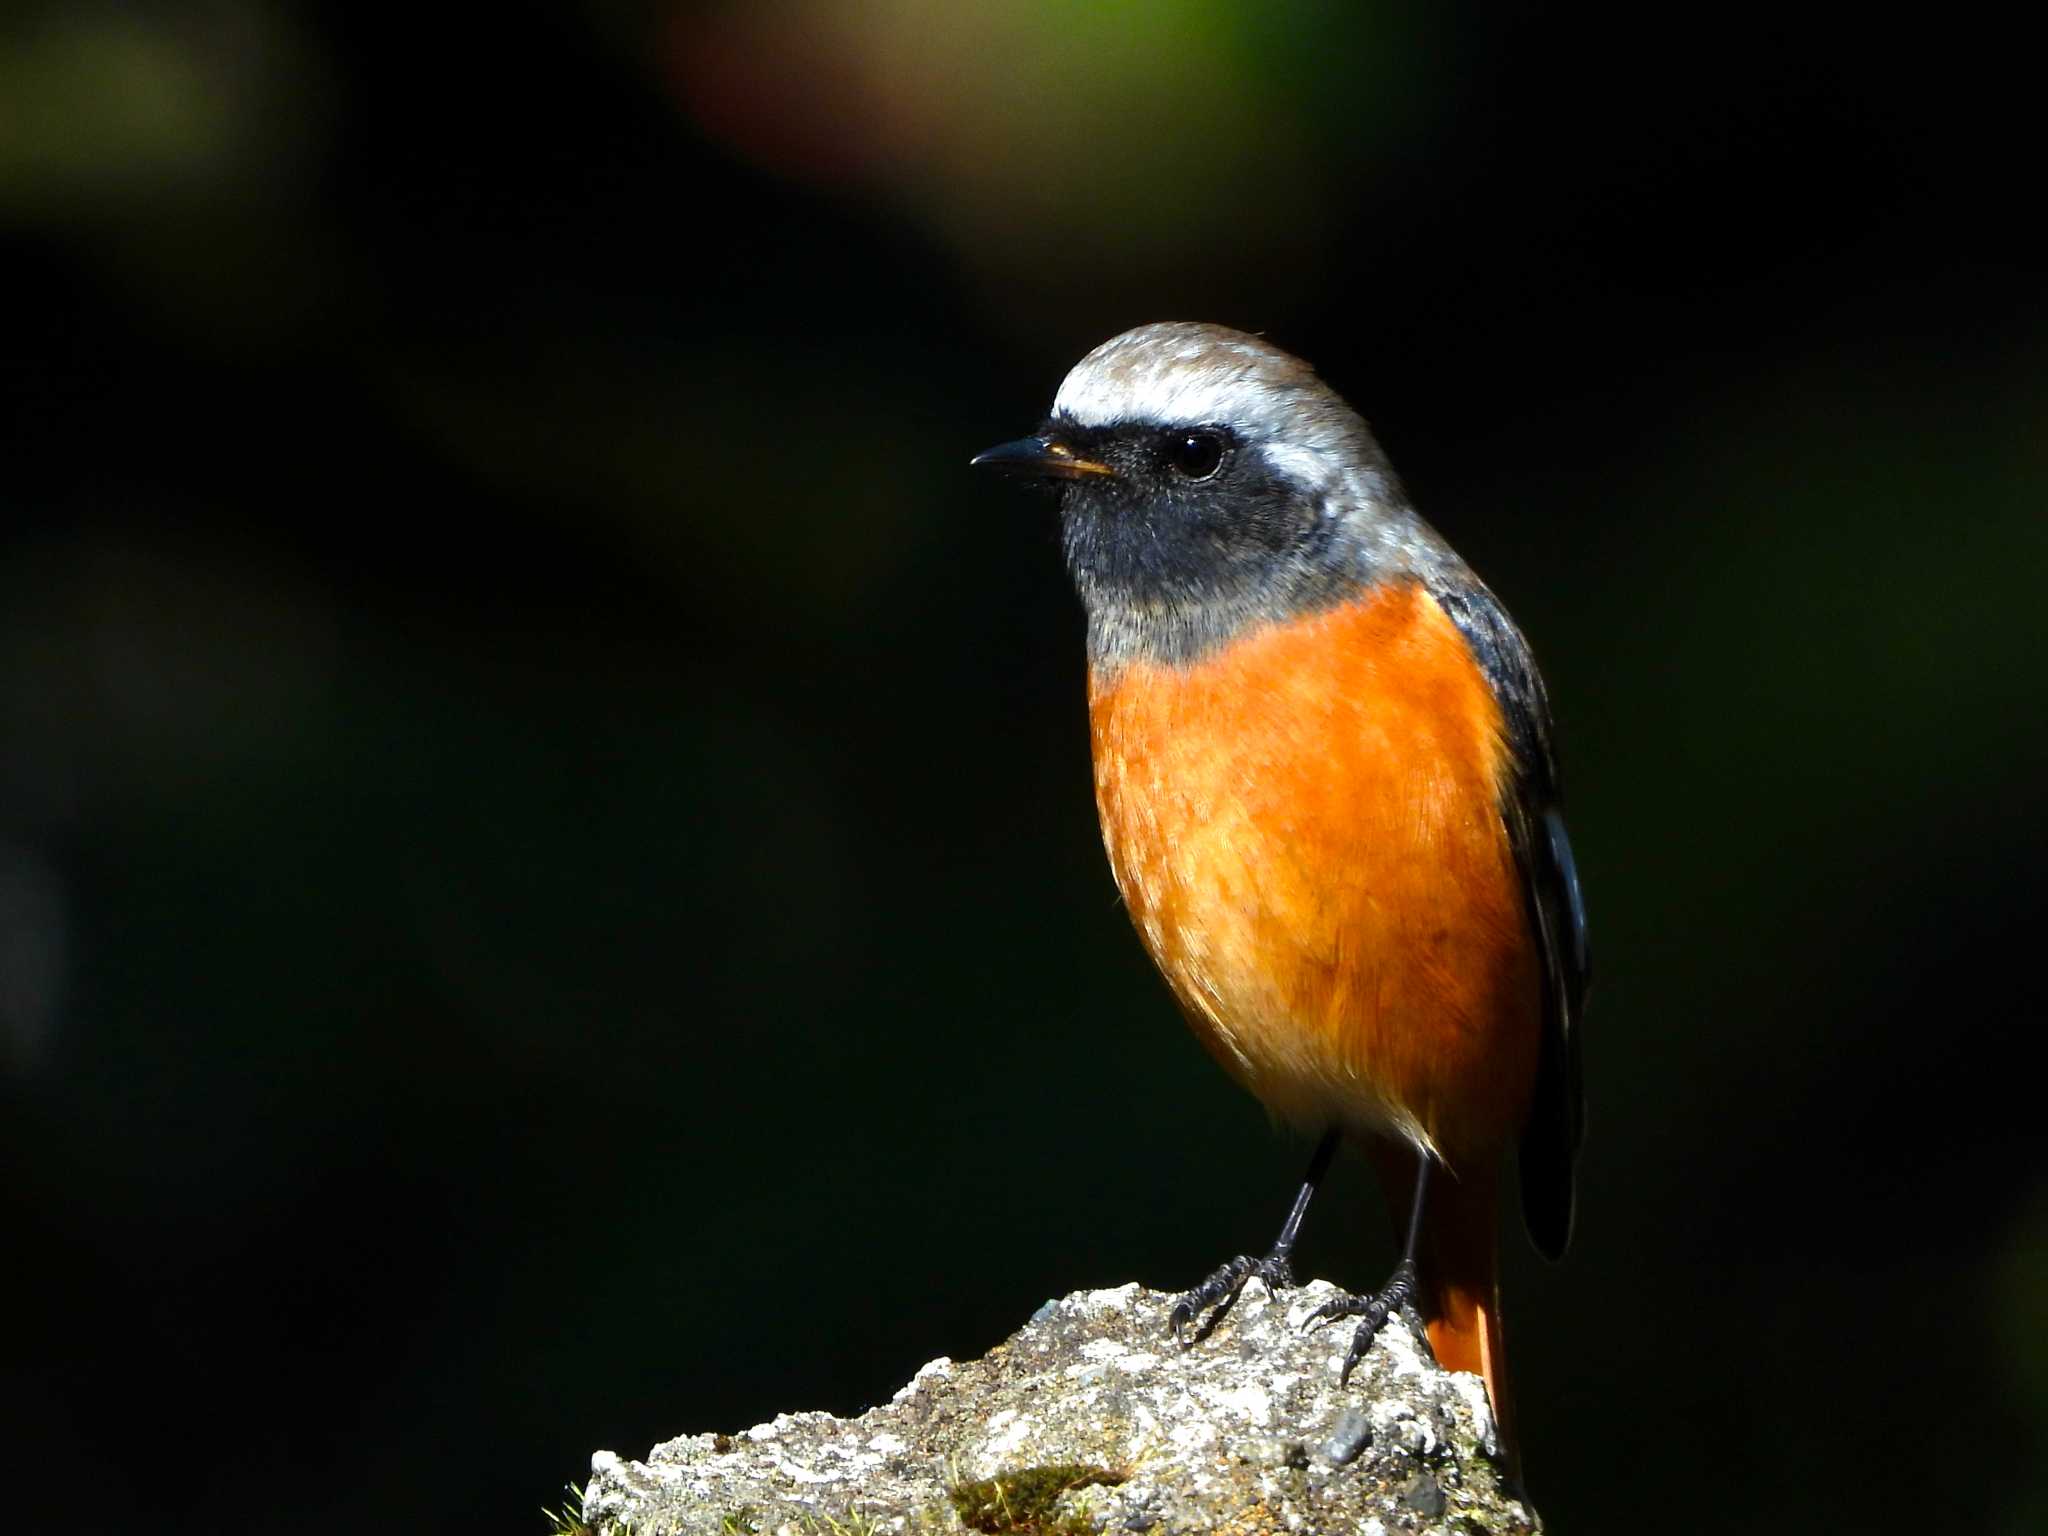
pixel 1374 1308
pixel 1219 1292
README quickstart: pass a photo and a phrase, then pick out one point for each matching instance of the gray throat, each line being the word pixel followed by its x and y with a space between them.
pixel 1137 614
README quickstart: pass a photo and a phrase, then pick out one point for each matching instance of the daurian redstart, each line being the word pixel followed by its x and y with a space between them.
pixel 1324 770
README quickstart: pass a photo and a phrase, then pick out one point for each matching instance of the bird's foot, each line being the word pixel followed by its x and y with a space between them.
pixel 1218 1294
pixel 1372 1311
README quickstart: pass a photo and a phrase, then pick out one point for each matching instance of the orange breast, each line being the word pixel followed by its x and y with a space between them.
pixel 1306 831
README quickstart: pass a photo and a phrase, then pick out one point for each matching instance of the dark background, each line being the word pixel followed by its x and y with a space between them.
pixel 549 895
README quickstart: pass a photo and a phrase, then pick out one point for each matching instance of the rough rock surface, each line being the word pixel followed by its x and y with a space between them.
pixel 1091 1419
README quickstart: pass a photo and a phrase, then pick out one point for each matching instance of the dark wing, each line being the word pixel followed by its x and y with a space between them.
pixel 1535 821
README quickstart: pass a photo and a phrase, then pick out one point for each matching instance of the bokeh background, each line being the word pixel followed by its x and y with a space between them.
pixel 549 895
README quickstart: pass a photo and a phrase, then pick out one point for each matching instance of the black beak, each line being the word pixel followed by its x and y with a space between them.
pixel 1043 457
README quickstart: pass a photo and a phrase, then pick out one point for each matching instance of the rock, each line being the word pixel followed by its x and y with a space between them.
pixel 1092 1419
pixel 1423 1494
pixel 1351 1434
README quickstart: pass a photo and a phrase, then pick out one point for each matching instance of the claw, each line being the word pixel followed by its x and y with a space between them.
pixel 1372 1310
pixel 1219 1293
pixel 1361 1341
pixel 1324 1313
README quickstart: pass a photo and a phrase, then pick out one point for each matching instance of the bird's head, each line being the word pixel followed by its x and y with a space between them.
pixel 1208 482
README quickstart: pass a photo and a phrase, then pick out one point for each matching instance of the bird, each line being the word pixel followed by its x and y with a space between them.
pixel 1327 786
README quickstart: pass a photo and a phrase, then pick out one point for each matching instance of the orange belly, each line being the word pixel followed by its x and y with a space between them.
pixel 1305 828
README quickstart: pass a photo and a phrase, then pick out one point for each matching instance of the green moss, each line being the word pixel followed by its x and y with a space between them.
pixel 738 1522
pixel 1025 1501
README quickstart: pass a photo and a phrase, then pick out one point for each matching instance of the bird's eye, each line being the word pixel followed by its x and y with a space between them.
pixel 1195 455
